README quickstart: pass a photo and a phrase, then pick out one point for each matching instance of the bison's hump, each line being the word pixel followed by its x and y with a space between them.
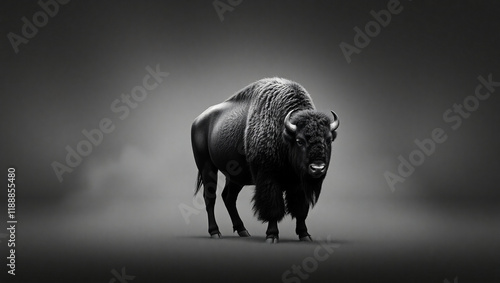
pixel 270 100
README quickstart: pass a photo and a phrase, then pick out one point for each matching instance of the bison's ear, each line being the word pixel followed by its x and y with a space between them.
pixel 334 136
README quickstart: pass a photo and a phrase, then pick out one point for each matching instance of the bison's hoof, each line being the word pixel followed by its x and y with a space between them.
pixel 244 233
pixel 272 239
pixel 216 236
pixel 306 239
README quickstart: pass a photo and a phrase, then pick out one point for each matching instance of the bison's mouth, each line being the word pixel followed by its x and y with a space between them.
pixel 317 169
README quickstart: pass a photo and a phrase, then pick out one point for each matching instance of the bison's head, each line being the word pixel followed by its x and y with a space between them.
pixel 310 134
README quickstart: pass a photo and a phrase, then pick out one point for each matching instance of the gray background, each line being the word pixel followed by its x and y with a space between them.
pixel 121 206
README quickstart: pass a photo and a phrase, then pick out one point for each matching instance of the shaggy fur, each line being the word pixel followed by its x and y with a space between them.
pixel 268 153
pixel 273 163
pixel 271 100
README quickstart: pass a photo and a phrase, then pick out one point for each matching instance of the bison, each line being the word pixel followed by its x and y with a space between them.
pixel 269 135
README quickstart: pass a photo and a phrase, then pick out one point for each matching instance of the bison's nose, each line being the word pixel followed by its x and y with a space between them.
pixel 317 169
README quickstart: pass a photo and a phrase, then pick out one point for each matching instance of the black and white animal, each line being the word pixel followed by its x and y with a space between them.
pixel 269 135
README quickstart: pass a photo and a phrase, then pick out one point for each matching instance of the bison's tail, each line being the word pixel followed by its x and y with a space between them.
pixel 198 183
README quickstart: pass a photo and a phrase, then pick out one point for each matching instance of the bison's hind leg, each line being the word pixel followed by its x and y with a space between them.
pixel 229 195
pixel 209 179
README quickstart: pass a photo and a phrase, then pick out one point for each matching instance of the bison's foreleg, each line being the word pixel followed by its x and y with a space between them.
pixel 272 232
pixel 301 230
pixel 269 205
pixel 298 208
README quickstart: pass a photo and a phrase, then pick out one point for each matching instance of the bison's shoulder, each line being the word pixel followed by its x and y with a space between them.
pixel 271 100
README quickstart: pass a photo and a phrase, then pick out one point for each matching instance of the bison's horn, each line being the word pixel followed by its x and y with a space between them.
pixel 335 124
pixel 289 126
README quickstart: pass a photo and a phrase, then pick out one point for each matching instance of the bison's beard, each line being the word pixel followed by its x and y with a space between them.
pixel 311 187
pixel 306 187
pixel 302 195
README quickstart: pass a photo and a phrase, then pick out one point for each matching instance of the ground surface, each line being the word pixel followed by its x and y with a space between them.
pixel 369 241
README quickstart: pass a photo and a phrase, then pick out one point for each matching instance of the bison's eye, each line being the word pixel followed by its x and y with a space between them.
pixel 329 140
pixel 300 142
